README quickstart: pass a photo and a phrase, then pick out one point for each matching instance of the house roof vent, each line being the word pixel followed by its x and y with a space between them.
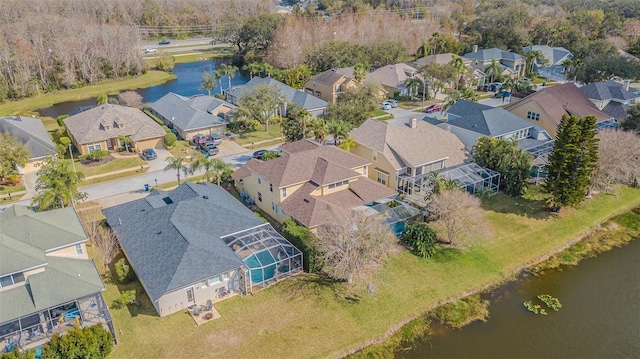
pixel 205 197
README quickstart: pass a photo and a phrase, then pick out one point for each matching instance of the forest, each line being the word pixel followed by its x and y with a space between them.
pixel 51 45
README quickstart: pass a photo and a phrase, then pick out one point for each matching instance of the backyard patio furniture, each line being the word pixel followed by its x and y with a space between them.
pixel 196 311
pixel 208 306
pixel 222 292
pixel 207 316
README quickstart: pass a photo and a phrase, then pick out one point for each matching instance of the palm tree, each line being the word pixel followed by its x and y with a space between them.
pixel 218 75
pixel 267 68
pixel 338 129
pixel 209 82
pixel 532 58
pixel 451 99
pixel 126 140
pixel 253 68
pixel 437 44
pixel 360 71
pixel 413 84
pixel 57 185
pixel 424 50
pixel 460 68
pixel 320 129
pixel 493 69
pixel 177 164
pixel 348 143
pixel 210 165
pixel 229 71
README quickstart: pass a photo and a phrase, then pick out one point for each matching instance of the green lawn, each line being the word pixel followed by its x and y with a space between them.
pixel 378 112
pixel 307 316
pixel 114 165
pixel 27 106
pixel 11 189
pixel 259 134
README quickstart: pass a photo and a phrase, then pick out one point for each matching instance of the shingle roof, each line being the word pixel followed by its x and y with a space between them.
pixel 330 77
pixel 563 99
pixel 404 146
pixel 493 53
pixel 31 133
pixel 391 75
pixel 482 119
pixel 190 113
pixel 172 245
pixel 299 98
pixel 88 126
pixel 609 90
pixel 555 55
pixel 302 166
pixel 616 110
pixel 440 59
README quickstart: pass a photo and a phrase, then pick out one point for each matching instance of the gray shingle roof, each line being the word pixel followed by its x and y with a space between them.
pixel 555 55
pixel 299 98
pixel 190 113
pixel 493 53
pixel 486 120
pixel 609 90
pixel 88 126
pixel 171 246
pixel 616 109
pixel 31 133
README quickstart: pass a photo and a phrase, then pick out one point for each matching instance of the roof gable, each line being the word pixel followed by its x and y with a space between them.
pixel 31 133
pixel 609 90
pixel 299 98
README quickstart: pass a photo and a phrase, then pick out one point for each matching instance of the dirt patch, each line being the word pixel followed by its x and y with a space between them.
pixel 98 162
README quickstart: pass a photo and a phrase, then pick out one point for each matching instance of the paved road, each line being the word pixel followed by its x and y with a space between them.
pixel 181 45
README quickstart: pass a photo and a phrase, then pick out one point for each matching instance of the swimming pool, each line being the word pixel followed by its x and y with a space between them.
pixel 262 266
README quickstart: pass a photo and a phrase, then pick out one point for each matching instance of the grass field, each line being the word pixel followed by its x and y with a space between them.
pixel 259 134
pixel 308 316
pixel 111 166
pixel 27 106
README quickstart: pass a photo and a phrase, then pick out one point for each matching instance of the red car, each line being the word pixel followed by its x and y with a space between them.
pixel 433 108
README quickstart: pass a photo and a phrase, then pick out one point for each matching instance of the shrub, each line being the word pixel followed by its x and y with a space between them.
pixel 61 118
pixel 126 297
pixel 259 215
pixel 170 139
pixel 89 342
pixel 154 117
pixel 464 311
pixel 421 238
pixel 123 271
pixel 97 154
pixel 64 141
pixel 305 241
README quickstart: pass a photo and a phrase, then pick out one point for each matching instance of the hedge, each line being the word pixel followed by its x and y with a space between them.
pixel 303 239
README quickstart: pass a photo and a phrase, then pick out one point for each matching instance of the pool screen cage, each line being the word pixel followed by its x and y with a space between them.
pixel 473 178
pixel 540 154
pixel 394 210
pixel 268 256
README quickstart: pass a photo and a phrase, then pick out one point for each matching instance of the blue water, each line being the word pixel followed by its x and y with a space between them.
pixel 261 259
pixel 398 228
pixel 187 83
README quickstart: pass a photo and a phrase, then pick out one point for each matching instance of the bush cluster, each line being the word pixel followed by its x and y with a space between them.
pixel 305 241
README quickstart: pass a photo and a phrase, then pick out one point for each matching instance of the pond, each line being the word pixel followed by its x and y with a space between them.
pixel 599 319
pixel 187 83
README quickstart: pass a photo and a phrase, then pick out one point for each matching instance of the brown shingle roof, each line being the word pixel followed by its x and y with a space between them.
pixel 559 100
pixel 89 126
pixel 330 77
pixel 299 146
pixel 404 146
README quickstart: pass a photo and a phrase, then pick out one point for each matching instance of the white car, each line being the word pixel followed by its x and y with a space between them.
pixel 393 103
pixel 150 51
pixel 385 106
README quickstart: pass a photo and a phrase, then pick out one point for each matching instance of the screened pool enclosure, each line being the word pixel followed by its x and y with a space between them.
pixel 267 255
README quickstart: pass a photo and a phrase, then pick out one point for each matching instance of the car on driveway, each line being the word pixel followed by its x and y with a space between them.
pixel 385 106
pixel 198 139
pixel 393 103
pixel 164 42
pixel 433 108
pixel 260 153
pixel 149 154
pixel 213 137
pixel 208 148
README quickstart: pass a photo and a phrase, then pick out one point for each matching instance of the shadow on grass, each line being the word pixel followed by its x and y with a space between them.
pixel 143 304
pixel 523 206
pixel 317 285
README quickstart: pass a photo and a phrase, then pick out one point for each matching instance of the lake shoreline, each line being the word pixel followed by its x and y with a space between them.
pixel 392 340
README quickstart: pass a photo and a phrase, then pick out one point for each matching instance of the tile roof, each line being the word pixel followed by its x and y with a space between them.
pixel 190 113
pixel 172 239
pixel 88 126
pixel 482 119
pixel 299 98
pixel 404 146
pixel 609 90
pixel 563 99
pixel 31 133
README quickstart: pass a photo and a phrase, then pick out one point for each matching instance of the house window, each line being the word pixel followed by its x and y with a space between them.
pixel 277 210
pixel 270 187
pixel 225 277
pixel 273 206
pixel 409 170
pixel 215 280
pixel 338 89
pixel 94 147
pixel 284 192
pixel 383 178
pixel 339 184
pixel 204 284
pixel 190 295
pixel 318 93
pixel 375 155
pixel 364 170
pixel 78 249
pixel 534 116
pixel 259 196
pixel 259 180
pixel 11 279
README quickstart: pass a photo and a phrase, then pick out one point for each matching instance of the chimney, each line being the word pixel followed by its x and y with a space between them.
pixel 475 48
pixel 413 122
pixel 627 83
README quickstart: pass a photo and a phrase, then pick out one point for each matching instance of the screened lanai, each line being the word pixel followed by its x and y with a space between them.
pixel 473 177
pixel 395 212
pixel 540 154
pixel 267 254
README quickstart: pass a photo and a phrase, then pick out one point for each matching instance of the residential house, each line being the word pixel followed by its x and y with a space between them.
pixel 392 77
pixel 471 120
pixel 31 133
pixel 189 116
pixel 546 107
pixel 396 152
pixel 554 56
pixel 99 128
pixel 311 103
pixel 328 85
pixel 309 183
pixel 48 284
pixel 198 243
pixel 513 64
pixel 611 97
pixel 475 75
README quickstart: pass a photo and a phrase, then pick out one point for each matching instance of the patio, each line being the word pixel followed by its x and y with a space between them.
pixel 204 313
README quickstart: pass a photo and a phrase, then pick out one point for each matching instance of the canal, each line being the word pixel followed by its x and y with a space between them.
pixel 600 317
pixel 187 83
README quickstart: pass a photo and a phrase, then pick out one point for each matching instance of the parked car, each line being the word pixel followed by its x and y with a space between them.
pixel 494 86
pixel 393 103
pixel 260 153
pixel 149 154
pixel 208 148
pixel 198 139
pixel 213 137
pixel 385 106
pixel 164 42
pixel 433 108
pixel 150 51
